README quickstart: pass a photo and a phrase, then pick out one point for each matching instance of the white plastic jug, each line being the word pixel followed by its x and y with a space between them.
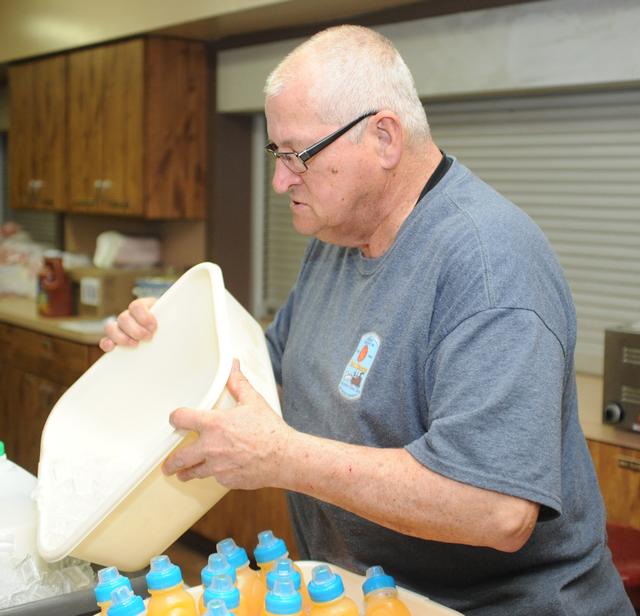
pixel 17 509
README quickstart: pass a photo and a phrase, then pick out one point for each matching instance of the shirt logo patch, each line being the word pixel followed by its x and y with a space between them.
pixel 357 369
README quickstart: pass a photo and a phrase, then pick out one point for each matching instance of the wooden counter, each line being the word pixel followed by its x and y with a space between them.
pixel 22 312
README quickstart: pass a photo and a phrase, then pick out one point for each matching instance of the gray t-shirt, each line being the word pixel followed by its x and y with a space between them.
pixel 458 345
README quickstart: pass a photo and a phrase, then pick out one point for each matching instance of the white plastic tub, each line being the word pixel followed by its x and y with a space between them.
pixel 102 496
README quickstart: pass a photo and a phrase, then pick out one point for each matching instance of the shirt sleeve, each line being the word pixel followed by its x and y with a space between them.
pixel 277 334
pixel 494 388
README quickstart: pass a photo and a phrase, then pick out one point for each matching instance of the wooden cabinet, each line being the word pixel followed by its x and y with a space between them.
pixel 37 134
pixel 35 370
pixel 618 471
pixel 118 129
pixel 137 129
pixel 242 514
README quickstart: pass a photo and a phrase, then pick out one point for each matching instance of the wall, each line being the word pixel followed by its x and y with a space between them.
pixel 550 44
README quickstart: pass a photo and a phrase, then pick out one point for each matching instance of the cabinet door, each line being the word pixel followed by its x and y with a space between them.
pixel 85 128
pixel 176 128
pixel 22 171
pixel 37 139
pixel 31 399
pixel 105 128
pixel 122 121
pixel 50 112
pixel 618 473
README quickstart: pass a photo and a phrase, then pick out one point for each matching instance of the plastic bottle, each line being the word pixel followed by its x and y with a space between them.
pixel 327 594
pixel 168 594
pixel 217 564
pixel 381 595
pixel 216 607
pixel 269 550
pixel 109 579
pixel 248 580
pixel 125 603
pixel 285 569
pixel 18 512
pixel 283 599
pixel 222 587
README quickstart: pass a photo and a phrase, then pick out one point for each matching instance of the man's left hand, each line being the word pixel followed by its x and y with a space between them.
pixel 241 447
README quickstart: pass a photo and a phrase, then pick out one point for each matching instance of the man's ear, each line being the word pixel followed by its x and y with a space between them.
pixel 389 139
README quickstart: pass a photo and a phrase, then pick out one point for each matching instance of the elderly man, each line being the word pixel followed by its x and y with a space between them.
pixel 425 355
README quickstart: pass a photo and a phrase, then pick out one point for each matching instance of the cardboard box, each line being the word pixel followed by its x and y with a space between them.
pixel 103 292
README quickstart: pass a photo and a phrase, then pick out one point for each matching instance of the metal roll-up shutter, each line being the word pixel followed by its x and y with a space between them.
pixel 572 162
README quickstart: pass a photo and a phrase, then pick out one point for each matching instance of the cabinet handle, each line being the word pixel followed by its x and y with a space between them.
pixel 47 395
pixel 46 344
pixel 631 464
pixel 35 185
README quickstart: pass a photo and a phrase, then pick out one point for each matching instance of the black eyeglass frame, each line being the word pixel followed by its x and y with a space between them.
pixel 318 146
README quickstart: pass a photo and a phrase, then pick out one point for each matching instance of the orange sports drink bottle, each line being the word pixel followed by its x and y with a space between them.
pixel 217 607
pixel 248 580
pixel 168 594
pixel 109 579
pixel 222 587
pixel 285 569
pixel 217 564
pixel 327 594
pixel 381 595
pixel 125 603
pixel 268 551
pixel 283 600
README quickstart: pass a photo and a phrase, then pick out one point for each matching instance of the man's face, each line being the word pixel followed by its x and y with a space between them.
pixel 334 200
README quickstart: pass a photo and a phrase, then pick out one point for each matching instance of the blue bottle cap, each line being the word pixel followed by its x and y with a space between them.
pixel 377 578
pixel 125 603
pixel 236 555
pixel 216 607
pixel 217 564
pixel 269 547
pixel 283 569
pixel 222 587
pixel 109 579
pixel 163 573
pixel 325 585
pixel 284 598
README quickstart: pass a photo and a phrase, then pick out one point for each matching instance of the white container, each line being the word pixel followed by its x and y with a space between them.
pixel 17 510
pixel 102 495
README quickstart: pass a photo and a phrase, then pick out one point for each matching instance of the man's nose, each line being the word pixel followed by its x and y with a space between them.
pixel 284 178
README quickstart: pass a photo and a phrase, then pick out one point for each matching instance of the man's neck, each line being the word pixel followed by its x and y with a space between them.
pixel 401 195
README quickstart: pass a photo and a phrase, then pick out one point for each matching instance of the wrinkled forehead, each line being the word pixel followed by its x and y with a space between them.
pixel 291 115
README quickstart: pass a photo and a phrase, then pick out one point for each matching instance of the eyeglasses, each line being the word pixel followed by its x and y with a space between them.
pixel 297 161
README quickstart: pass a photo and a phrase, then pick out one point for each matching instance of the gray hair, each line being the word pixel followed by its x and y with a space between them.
pixel 353 70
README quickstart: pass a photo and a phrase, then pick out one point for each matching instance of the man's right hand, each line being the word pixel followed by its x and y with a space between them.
pixel 132 325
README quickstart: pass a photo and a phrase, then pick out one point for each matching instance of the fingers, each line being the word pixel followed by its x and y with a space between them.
pixel 238 385
pixel 139 310
pixel 106 344
pixel 188 420
pixel 132 325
